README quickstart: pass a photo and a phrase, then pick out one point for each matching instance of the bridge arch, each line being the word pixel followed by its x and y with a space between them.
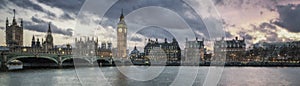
pixel 34 57
pixel 102 62
pixel 72 59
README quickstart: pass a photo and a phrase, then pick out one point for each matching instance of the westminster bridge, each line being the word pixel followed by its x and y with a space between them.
pixel 53 60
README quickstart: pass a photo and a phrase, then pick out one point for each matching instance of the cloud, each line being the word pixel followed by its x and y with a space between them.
pixel 27 4
pixel 267 25
pixel 248 37
pixel 136 39
pixel 2 28
pixel 228 34
pixel 67 16
pixel 40 25
pixel 248 4
pixel 72 6
pixel 36 20
pixel 180 8
pixel 289 17
pixel 155 32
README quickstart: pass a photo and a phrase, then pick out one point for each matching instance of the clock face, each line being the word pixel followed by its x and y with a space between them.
pixel 49 38
pixel 120 30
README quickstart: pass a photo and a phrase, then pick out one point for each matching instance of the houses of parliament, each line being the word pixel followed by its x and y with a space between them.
pixel 14 38
pixel 14 42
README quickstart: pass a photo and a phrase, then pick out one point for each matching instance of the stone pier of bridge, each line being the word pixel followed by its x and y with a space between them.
pixel 3 61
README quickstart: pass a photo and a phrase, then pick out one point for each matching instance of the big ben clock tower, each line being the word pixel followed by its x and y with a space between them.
pixel 122 38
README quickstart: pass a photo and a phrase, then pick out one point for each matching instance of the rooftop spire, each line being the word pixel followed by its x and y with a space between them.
pixel 122 16
pixel 14 19
pixel 6 22
pixel 33 38
pixel 14 12
pixel 49 27
pixel 22 23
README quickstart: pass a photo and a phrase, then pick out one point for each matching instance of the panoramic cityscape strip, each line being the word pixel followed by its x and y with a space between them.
pixel 149 42
pixel 88 51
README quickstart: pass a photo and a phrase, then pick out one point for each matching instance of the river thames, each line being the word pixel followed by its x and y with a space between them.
pixel 231 76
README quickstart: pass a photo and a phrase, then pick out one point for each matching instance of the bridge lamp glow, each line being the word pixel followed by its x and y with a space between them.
pixel 24 50
pixel 63 52
pixel 59 49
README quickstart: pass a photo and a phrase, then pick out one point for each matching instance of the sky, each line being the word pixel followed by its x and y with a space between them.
pixel 254 20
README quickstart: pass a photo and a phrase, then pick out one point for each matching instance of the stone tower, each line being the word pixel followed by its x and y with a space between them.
pixel 48 43
pixel 122 38
pixel 14 32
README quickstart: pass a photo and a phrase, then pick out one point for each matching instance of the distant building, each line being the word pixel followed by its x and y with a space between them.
pixel 194 51
pixel 89 47
pixel 105 50
pixel 138 58
pixel 14 33
pixel 169 51
pixel 279 51
pixel 135 53
pixel 234 49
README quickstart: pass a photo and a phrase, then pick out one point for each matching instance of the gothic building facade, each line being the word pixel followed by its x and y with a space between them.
pixel 233 49
pixel 89 47
pixel 122 38
pixel 156 51
pixel 194 51
pixel 47 44
pixel 14 33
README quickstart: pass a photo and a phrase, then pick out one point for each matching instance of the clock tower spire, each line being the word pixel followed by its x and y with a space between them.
pixel 48 43
pixel 122 37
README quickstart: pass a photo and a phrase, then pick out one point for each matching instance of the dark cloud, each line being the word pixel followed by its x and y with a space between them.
pixel 72 6
pixel 36 20
pixel 267 25
pixel 219 2
pixel 136 39
pixel 177 6
pixel 2 28
pixel 42 26
pixel 249 4
pixel 68 6
pixel 289 17
pixel 27 4
pixel 248 37
pixel 155 32
pixel 270 36
pixel 259 28
pixel 228 35
pixel 3 3
pixel 67 16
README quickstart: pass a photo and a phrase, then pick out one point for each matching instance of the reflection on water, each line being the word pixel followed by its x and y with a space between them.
pixel 110 76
